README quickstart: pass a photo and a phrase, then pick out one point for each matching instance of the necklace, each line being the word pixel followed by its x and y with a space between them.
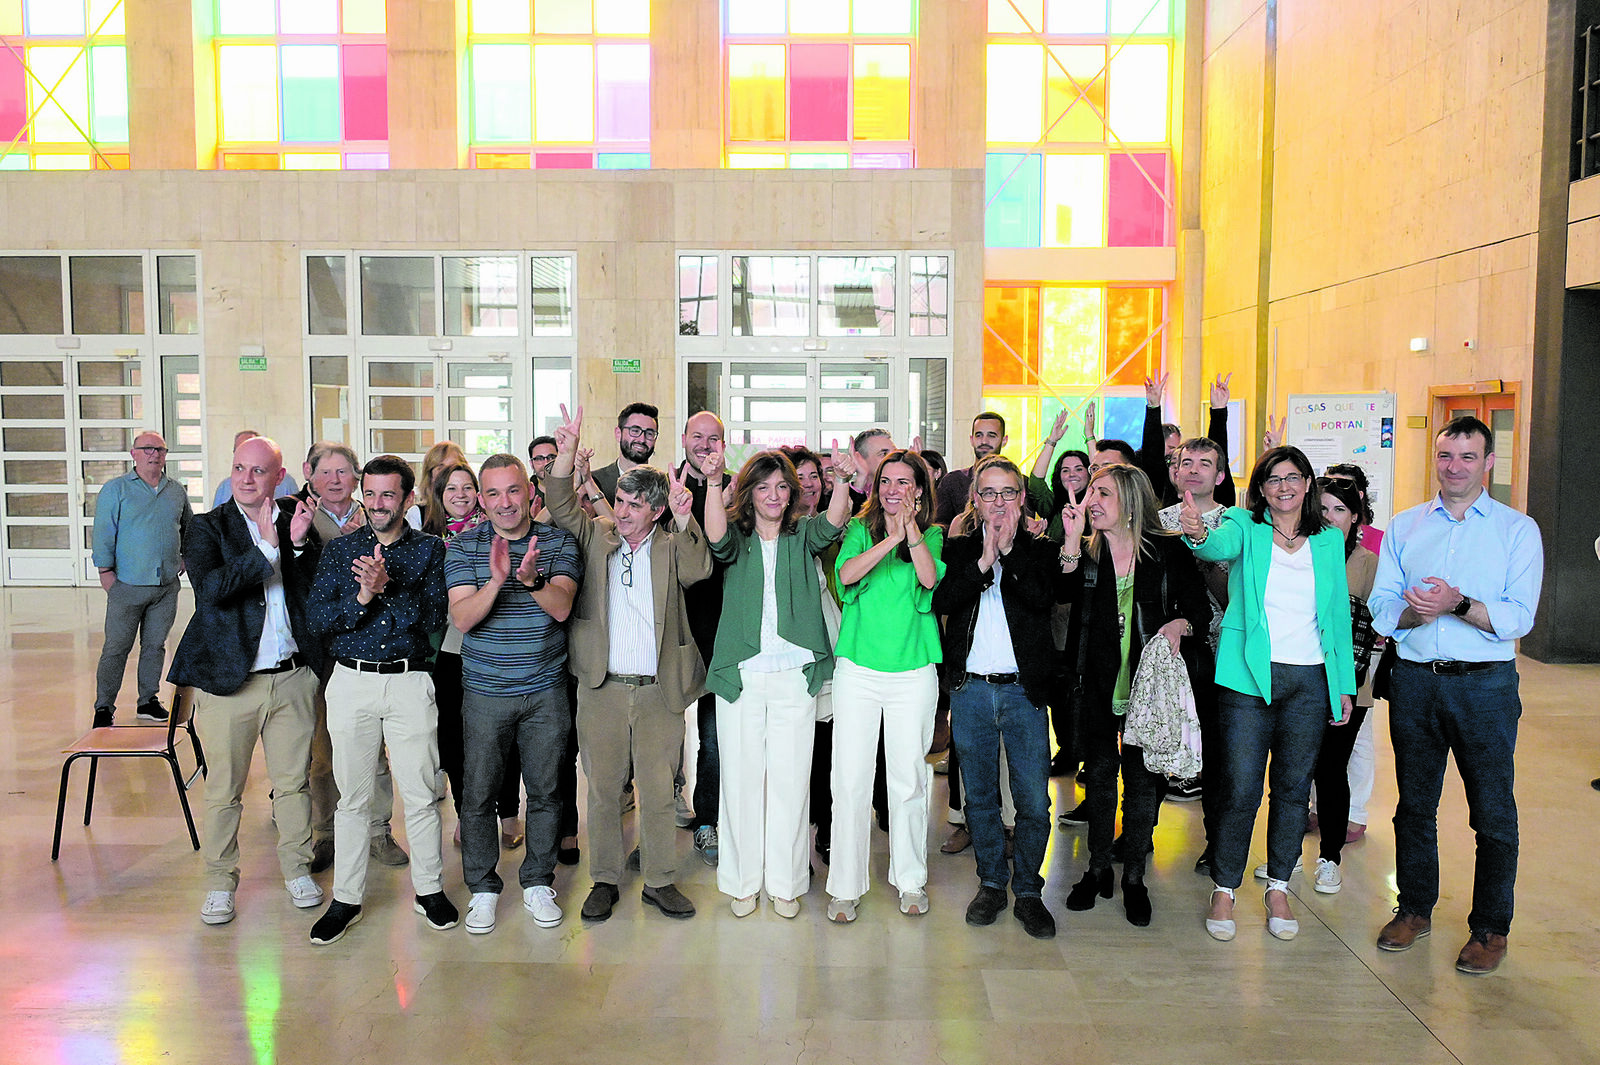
pixel 1288 540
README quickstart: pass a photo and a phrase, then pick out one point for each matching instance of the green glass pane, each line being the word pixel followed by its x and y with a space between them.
pixel 254 17
pixel 311 110
pixel 15 160
pixel 108 75
pixel 502 93
pixel 499 16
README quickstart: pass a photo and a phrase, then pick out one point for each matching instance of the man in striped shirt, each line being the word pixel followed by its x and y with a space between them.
pixel 511 583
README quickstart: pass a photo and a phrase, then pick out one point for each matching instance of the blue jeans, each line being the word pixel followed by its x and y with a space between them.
pixel 1289 729
pixel 1475 717
pixel 536 726
pixel 982 716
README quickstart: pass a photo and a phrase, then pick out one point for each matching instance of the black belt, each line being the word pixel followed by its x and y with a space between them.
pixel 399 665
pixel 997 678
pixel 1450 668
pixel 294 661
pixel 638 680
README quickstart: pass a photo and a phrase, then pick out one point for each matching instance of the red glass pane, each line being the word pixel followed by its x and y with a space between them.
pixel 366 92
pixel 13 96
pixel 1140 212
pixel 1132 317
pixel 563 161
pixel 819 92
pixel 1013 313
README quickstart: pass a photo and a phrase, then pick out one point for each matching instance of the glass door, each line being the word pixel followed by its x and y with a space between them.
pixel 415 400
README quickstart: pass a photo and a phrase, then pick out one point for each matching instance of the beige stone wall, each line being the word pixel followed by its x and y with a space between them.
pixel 625 226
pixel 1405 200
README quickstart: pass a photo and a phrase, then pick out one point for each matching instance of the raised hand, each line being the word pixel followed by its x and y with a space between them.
pixel 679 499
pixel 844 465
pixel 1274 434
pixel 299 524
pixel 1059 429
pixel 1154 388
pixel 1072 519
pixel 371 573
pixel 499 558
pixel 569 431
pixel 991 547
pixel 1089 418
pixel 528 568
pixel 916 443
pixel 1189 518
pixel 1220 392
pixel 581 462
pixel 1037 526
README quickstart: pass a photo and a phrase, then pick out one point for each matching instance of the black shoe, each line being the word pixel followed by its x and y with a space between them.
pixel 633 860
pixel 1202 864
pixel 1136 902
pixel 151 711
pixel 669 900
pixel 1595 783
pixel 331 926
pixel 1035 918
pixel 1062 767
pixel 1083 893
pixel 986 905
pixel 1078 815
pixel 321 856
pixel 102 716
pixel 568 855
pixel 438 909
pixel 597 907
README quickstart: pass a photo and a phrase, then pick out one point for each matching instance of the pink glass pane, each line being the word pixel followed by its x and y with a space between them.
pixel 366 92
pixel 13 95
pixel 563 161
pixel 1140 215
pixel 623 76
pixel 819 92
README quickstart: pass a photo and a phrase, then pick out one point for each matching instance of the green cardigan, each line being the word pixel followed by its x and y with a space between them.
pixel 799 603
pixel 1244 656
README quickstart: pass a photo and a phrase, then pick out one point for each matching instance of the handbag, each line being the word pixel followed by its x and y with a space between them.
pixel 1161 718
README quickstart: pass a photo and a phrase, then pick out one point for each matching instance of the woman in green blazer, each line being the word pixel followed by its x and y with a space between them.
pixel 1284 668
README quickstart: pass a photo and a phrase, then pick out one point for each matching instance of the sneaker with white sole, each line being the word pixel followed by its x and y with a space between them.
pixel 841 911
pixel 332 925
pixel 217 907
pixel 1328 879
pixel 705 841
pixel 913 903
pixel 304 892
pixel 540 900
pixel 1261 870
pixel 681 812
pixel 480 912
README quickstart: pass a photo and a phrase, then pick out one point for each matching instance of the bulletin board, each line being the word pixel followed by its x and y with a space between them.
pixel 1357 428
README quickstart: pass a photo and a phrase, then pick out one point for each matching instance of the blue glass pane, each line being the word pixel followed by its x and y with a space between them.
pixel 1124 419
pixel 622 161
pixel 1012 217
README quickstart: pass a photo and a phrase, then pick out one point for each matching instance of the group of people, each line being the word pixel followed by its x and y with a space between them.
pixel 824 612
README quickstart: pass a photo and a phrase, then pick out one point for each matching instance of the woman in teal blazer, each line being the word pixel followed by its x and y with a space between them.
pixel 1285 667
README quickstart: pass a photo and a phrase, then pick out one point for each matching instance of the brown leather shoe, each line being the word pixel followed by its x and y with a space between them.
pixel 1404 930
pixel 959 841
pixel 1483 953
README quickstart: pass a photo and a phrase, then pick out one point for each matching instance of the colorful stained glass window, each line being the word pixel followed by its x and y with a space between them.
pixel 819 84
pixel 558 84
pixel 63 85
pixel 302 85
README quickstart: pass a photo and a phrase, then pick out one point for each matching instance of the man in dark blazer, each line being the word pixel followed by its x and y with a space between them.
pixel 637 427
pixel 252 662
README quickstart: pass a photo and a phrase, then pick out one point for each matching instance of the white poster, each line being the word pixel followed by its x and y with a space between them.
pixel 1353 427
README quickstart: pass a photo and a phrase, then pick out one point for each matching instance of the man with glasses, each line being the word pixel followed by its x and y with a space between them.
pixel 139 523
pixel 638 427
pixel 636 663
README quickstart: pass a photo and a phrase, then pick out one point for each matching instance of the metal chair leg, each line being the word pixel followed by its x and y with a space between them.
pixel 88 800
pixel 183 799
pixel 61 807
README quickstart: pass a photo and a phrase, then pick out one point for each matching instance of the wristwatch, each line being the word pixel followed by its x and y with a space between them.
pixel 1461 608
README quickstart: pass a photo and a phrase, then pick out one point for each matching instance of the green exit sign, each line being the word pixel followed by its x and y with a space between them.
pixel 252 362
pixel 624 365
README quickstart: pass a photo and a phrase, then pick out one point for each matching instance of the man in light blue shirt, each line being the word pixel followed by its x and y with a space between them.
pixel 139 522
pixel 1457 585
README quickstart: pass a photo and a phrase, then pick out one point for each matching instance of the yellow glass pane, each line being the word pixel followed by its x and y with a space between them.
pixel 11 18
pixel 365 16
pixel 1139 93
pixel 1074 201
pixel 563 92
pixel 756 105
pixel 820 16
pixel 247 92
pixel 755 161
pixel 1075 94
pixel 106 17
pixel 46 161
pixel 622 16
pixel 1016 93
pixel 1021 414
pixel 1073 321
pixel 883 92
pixel 563 16
pixel 311 161
pixel 498 16
pixel 251 161
pixel 501 160
pixel 1132 317
pixel 1016 16
pixel 65 71
pixel 110 162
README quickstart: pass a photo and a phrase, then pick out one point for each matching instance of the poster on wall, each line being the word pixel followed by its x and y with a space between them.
pixel 1349 427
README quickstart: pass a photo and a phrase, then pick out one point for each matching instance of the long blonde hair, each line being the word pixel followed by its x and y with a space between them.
pixel 1137 501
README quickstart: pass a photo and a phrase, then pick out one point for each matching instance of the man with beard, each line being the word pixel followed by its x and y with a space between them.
pixel 378 598
pixel 988 437
pixel 638 426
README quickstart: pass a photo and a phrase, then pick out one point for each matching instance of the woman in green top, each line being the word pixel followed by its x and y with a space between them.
pixel 771 656
pixel 888 643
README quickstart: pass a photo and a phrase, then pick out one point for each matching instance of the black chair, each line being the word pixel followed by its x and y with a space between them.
pixel 137 741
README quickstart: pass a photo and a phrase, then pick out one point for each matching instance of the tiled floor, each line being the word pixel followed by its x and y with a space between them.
pixel 104 959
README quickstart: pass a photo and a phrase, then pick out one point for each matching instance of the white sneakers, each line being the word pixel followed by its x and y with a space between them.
pixel 480 912
pixel 304 892
pixel 217 908
pixel 913 903
pixel 1328 880
pixel 1261 870
pixel 540 901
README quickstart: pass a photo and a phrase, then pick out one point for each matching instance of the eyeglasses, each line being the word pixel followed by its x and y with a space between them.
pixel 1291 480
pixel 638 432
pixel 543 460
pixel 989 495
pixel 152 450
pixel 627 568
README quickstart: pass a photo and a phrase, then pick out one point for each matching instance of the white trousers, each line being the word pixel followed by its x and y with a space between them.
pixel 904 704
pixel 764 820
pixel 366 711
